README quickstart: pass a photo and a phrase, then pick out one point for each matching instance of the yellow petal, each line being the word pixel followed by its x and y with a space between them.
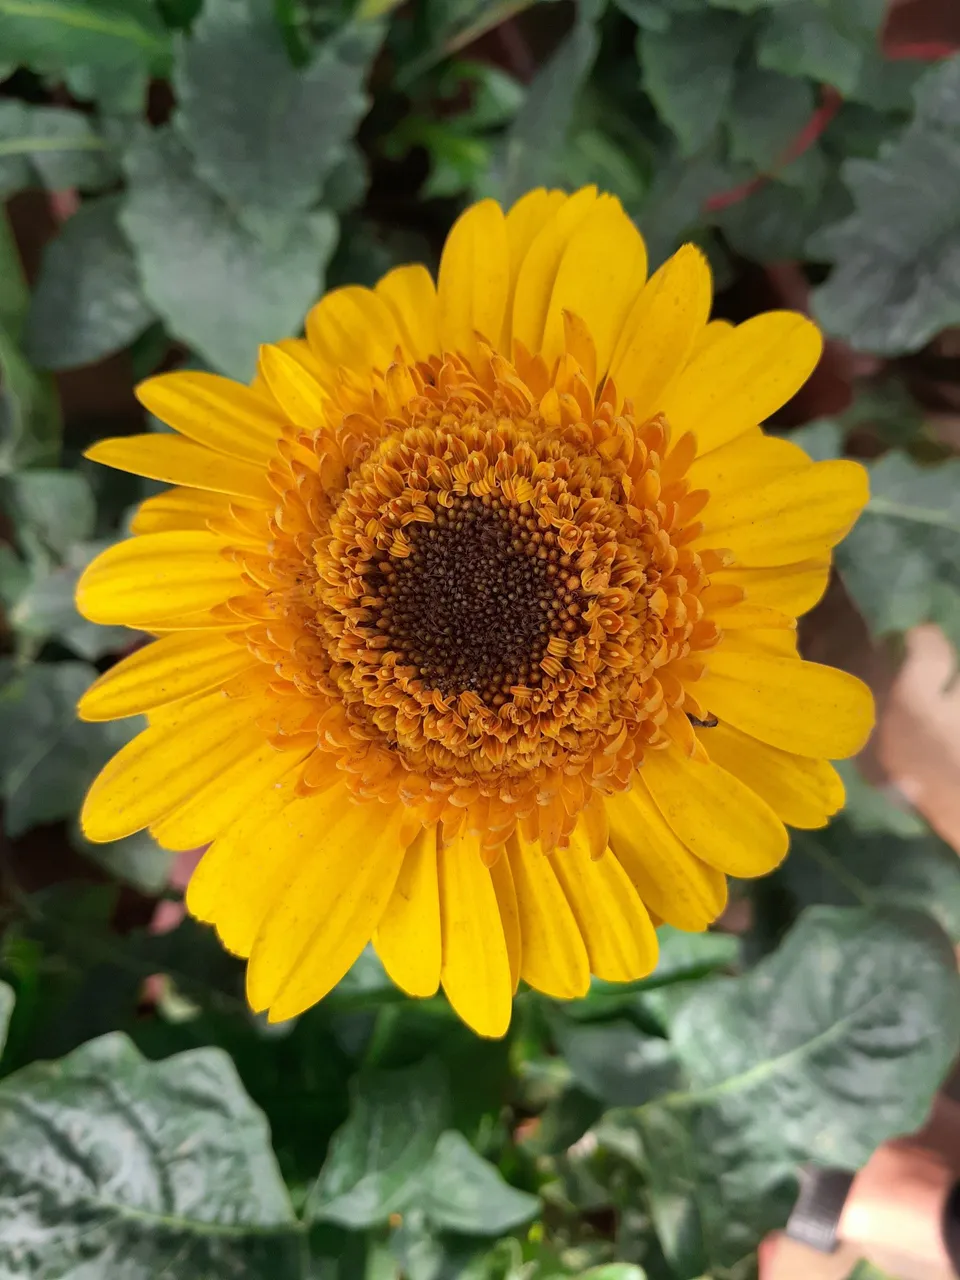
pixel 156 577
pixel 216 412
pixel 474 278
pixel 743 378
pixel 475 971
pixel 621 941
pixel 553 956
pixel 538 268
pixel 165 764
pixel 745 463
pixel 180 509
pixel 712 333
pixel 801 707
pixel 407 939
pixel 672 883
pixel 798 516
pixel 602 270
pixel 505 889
pixel 411 295
pixel 354 328
pixel 801 790
pixel 162 456
pixel 235 884
pixel 349 856
pixel 661 329
pixel 177 666
pixel 523 222
pixel 791 588
pixel 718 817
pixel 294 388
pixel 213 807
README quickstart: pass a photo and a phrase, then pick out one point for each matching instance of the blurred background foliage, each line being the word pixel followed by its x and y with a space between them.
pixel 182 178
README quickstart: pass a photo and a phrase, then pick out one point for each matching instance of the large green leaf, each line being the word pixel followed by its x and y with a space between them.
pixel 766 113
pixel 48 757
pixel 896 279
pixel 531 150
pixel 464 1193
pixel 45 608
pixel 842 866
pixel 111 1165
pixel 379 1156
pixel 7 1000
pixel 901 561
pixel 218 287
pixel 827 40
pixel 268 153
pixel 52 509
pixel 688 71
pixel 50 147
pixel 812 1055
pixel 88 302
pixel 617 1063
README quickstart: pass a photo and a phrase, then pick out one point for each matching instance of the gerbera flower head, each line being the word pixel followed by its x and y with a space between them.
pixel 474 620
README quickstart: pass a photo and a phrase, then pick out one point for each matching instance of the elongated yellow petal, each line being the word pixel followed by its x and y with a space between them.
pixel 802 791
pixel 661 329
pixel 353 327
pixel 539 266
pixel 349 856
pixel 475 971
pixel 217 804
pixel 718 817
pixel 239 876
pixel 407 939
pixel 791 588
pixel 615 925
pixel 156 577
pixel 801 707
pixel 180 509
pixel 797 516
pixel 745 463
pixel 160 456
pixel 672 882
pixel 177 666
pixel 165 764
pixel 743 378
pixel 602 270
pixel 411 295
pixel 474 279
pixel 523 222
pixel 553 958
pixel 216 412
pixel 506 891
pixel 293 387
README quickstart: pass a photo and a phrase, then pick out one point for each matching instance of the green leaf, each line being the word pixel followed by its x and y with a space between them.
pixel 46 609
pixel 462 1192
pixel 826 40
pixel 615 1062
pixel 7 1000
pixel 867 1271
pixel 136 860
pixel 688 71
pixel 379 1156
pixel 901 561
pixel 48 757
pixel 614 1271
pixel 767 112
pixel 50 147
pixel 215 285
pixel 29 409
pixel 812 1055
pixel 870 811
pixel 106 49
pixel 843 866
pixel 268 153
pixel 532 147
pixel 896 282
pixel 88 302
pixel 53 508
pixel 112 1164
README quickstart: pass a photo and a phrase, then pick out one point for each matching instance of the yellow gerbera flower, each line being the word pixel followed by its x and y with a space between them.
pixel 475 620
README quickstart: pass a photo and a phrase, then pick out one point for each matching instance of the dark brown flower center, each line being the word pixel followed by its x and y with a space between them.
pixel 475 603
